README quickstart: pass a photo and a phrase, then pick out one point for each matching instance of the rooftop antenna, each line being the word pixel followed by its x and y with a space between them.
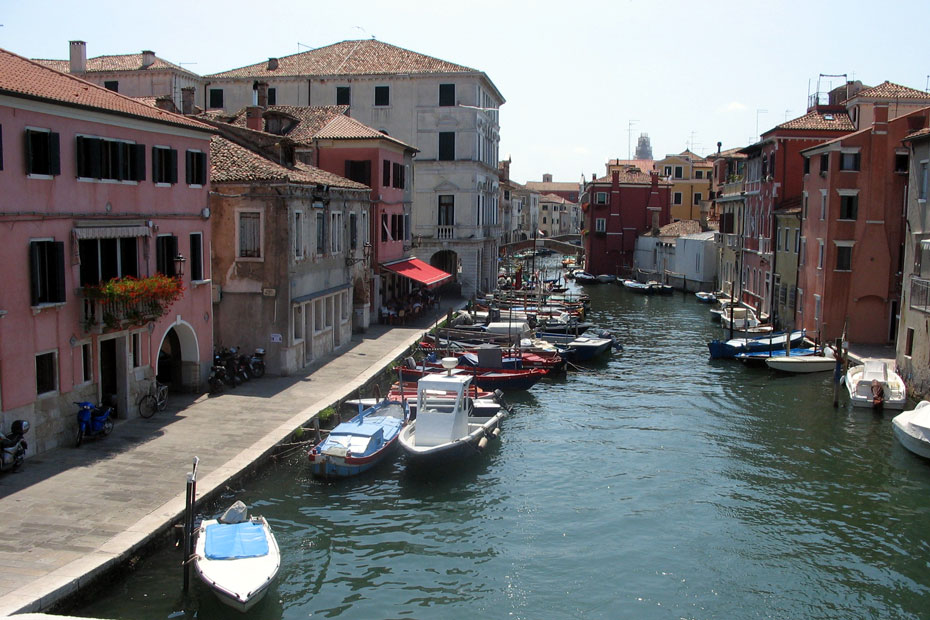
pixel 758 112
pixel 363 30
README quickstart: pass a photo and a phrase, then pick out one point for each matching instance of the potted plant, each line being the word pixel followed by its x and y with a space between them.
pixel 130 301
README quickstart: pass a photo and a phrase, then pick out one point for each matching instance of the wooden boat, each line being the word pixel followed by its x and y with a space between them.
pixel 583 277
pixel 912 429
pixel 447 429
pixel 504 379
pixel 585 347
pixel 237 557
pixel 875 384
pixel 638 287
pixel 707 298
pixel 658 287
pixel 360 443
pixel 771 342
pixel 818 362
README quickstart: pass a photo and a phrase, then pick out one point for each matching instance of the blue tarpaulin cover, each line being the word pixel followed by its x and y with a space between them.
pixel 230 541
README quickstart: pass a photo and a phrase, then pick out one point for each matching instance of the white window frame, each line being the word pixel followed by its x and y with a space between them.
pixel 823 205
pixel 841 243
pixel 336 232
pixel 86 349
pixel 821 253
pixel 298 323
pixel 600 224
pixel 300 248
pixel 54 390
pixel 600 198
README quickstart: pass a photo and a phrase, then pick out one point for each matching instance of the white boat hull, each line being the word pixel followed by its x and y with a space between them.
pixel 242 582
pixel 805 364
pixel 912 429
pixel 858 381
pixel 461 447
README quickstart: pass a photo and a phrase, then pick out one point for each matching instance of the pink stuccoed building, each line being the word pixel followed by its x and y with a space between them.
pixel 94 186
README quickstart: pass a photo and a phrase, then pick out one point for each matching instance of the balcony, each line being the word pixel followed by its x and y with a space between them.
pixel 920 294
pixel 126 302
pixel 732 187
pixel 445 232
pixel 101 315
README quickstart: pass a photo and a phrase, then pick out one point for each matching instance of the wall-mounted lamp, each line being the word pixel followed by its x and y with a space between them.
pixel 179 261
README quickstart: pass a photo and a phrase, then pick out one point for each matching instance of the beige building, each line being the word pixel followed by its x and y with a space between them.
pixel 690 176
pixel 556 215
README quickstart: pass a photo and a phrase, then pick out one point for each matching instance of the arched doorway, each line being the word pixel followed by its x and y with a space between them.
pixel 448 261
pixel 178 358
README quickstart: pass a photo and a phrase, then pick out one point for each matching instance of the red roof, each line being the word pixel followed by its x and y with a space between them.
pixel 415 269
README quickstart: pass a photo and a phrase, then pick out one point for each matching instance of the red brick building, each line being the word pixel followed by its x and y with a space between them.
pixel 617 209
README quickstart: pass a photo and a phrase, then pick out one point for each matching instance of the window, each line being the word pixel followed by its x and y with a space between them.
pixel 901 162
pixel 804 202
pixel 447 94
pixel 600 198
pixel 272 96
pixel 105 259
pixel 803 251
pixel 46 372
pixel 909 342
pixel 797 240
pixel 47 272
pixel 600 225
pixel 42 152
pixel 318 315
pixel 343 95
pixel 698 174
pixel 111 85
pixel 216 97
pixel 196 166
pixel 166 249
pixel 298 322
pixel 249 233
pixel 849 161
pixel 668 171
pixel 447 210
pixel 385 229
pixel 164 165
pixel 807 165
pixel 849 206
pixel 336 232
pixel 320 233
pixel 697 197
pixel 382 95
pixel 386 173
pixel 353 230
pixel 824 164
pixel 823 205
pixel 676 198
pixel 843 257
pixel 135 349
pixel 820 254
pixel 922 182
pixel 298 235
pixel 87 363
pixel 446 145
pixel 359 171
pixel 116 160
pixel 196 257
pixel 399 181
pixel 679 172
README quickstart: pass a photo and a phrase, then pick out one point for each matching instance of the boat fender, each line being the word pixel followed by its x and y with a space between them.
pixel 482 443
pixel 496 432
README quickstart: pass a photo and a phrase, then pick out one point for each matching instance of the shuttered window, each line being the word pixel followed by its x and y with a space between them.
pixel 164 165
pixel 250 240
pixel 47 272
pixel 42 152
pixel 115 160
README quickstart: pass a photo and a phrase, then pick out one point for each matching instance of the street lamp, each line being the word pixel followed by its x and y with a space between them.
pixel 179 261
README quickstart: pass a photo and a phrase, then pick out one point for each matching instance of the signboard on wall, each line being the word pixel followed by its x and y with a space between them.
pixel 276 338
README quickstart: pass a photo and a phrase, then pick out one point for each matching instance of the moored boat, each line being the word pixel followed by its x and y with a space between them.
pixel 583 277
pixel 360 443
pixel 912 429
pixel 818 362
pixel 606 278
pixel 875 384
pixel 237 557
pixel 707 298
pixel 637 287
pixel 770 342
pixel 447 427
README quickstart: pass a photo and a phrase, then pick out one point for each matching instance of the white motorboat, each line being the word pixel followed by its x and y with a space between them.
pixel 447 427
pixel 606 278
pixel 821 362
pixel 912 429
pixel 739 318
pixel 237 557
pixel 875 384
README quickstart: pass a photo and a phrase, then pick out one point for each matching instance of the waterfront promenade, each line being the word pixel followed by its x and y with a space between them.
pixel 72 514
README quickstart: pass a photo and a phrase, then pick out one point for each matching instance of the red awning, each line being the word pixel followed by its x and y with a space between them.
pixel 415 269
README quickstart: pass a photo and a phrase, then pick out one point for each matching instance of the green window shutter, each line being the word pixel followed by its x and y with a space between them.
pixel 155 168
pixel 173 167
pixel 54 154
pixel 137 152
pixel 34 272
pixel 189 167
pixel 57 273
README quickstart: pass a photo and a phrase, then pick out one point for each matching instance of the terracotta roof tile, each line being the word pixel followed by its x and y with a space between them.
pixel 628 175
pixel 820 121
pixel 309 119
pixel 918 135
pixel 553 186
pixel 643 164
pixel 230 163
pixel 109 64
pixel 891 90
pixel 555 198
pixel 347 128
pixel 362 57
pixel 680 228
pixel 21 77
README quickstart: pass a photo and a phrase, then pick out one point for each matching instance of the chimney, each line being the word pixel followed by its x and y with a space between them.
pixel 262 94
pixel 547 178
pixel 880 115
pixel 78 57
pixel 187 100
pixel 272 64
pixel 253 117
pixel 148 58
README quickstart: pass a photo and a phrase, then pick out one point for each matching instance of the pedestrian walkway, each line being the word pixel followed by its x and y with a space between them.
pixel 71 514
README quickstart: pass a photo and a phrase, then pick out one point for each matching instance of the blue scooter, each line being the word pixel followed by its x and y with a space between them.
pixel 93 421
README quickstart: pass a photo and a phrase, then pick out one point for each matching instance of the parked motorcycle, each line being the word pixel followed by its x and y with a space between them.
pixel 240 364
pixel 257 363
pixel 218 379
pixel 93 421
pixel 13 446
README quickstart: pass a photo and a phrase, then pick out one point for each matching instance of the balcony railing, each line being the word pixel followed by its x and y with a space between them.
pixel 732 187
pixel 920 294
pixel 101 315
pixel 445 232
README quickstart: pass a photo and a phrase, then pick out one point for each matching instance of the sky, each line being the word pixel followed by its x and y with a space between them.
pixel 582 80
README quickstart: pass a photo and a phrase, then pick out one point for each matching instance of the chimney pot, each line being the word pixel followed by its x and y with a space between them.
pixel 253 117
pixel 187 100
pixel 78 56
pixel 148 58
pixel 272 64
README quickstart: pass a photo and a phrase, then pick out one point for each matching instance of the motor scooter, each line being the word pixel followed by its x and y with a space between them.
pixel 13 446
pixel 257 363
pixel 93 421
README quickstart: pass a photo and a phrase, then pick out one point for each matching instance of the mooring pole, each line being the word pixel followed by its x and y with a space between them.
pixel 189 523
pixel 837 370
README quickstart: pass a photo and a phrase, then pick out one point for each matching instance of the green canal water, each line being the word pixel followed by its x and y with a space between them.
pixel 655 484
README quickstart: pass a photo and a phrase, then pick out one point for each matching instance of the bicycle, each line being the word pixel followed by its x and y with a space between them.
pixel 155 400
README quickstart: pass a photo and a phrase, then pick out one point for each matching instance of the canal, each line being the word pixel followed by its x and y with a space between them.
pixel 654 484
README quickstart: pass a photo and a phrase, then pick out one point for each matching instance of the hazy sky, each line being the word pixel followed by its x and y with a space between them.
pixel 575 74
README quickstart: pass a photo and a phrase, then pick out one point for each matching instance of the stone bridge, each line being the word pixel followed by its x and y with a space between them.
pixel 558 244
